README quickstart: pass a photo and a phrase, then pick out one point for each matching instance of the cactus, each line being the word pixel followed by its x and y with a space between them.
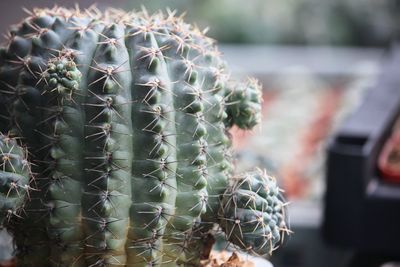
pixel 253 212
pixel 126 118
pixel 14 178
pixel 244 109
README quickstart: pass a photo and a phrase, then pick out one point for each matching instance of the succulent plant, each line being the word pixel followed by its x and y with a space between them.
pixel 252 212
pixel 14 178
pixel 125 117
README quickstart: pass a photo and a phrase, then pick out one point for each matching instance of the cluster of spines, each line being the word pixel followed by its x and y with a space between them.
pixel 154 154
pixel 191 145
pixel 108 152
pixel 15 174
pixel 44 34
pixel 219 158
pixel 63 128
pixel 39 116
pixel 219 155
pixel 252 213
pixel 65 83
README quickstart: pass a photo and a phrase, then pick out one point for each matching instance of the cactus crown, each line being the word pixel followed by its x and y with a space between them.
pixel 125 117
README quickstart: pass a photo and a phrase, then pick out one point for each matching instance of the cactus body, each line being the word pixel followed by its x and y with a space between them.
pixel 125 117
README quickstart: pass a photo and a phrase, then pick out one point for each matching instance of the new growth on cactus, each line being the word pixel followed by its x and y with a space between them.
pixel 14 178
pixel 253 213
pixel 125 120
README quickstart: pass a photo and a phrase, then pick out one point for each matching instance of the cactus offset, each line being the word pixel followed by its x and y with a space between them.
pixel 126 118
pixel 244 108
pixel 14 178
pixel 252 213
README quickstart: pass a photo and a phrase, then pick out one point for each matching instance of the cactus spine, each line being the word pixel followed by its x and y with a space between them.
pixel 126 118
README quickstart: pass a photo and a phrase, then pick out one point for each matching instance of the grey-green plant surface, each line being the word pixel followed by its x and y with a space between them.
pixel 125 117
pixel 14 178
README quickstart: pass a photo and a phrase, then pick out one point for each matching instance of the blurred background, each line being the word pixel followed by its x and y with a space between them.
pixel 318 61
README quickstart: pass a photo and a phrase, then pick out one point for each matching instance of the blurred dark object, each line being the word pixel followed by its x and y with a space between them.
pixel 3 113
pixel 361 208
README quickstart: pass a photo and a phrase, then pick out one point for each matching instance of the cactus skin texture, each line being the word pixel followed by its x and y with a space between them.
pixel 252 212
pixel 14 178
pixel 244 108
pixel 126 118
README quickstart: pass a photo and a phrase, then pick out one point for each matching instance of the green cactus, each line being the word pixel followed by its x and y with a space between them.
pixel 244 108
pixel 252 212
pixel 14 178
pixel 126 118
